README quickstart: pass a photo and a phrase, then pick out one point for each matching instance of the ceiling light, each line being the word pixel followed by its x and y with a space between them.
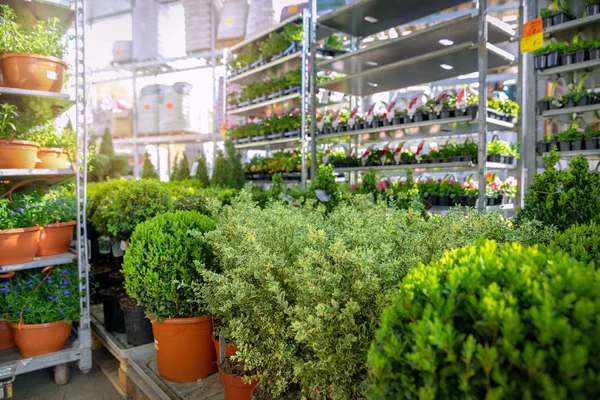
pixel 372 84
pixel 371 19
pixel 405 33
pixel 368 39
pixel 446 42
pixel 510 18
pixel 371 63
pixel 446 66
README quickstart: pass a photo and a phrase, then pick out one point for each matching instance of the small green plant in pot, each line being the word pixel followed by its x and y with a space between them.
pixel 32 58
pixel 15 151
pixel 159 261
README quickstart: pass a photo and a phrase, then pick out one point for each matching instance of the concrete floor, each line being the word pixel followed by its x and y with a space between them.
pixel 39 385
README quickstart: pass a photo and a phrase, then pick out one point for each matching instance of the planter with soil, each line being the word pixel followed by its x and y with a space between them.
pixel 567 59
pixel 229 348
pixel 232 376
pixel 592 9
pixel 52 158
pixel 18 154
pixel 137 326
pixel 564 145
pixel 114 319
pixel 577 145
pixel 184 348
pixel 19 246
pixel 56 238
pixel 116 278
pixel 33 72
pixel 445 114
pixel 560 18
pixel 470 201
pixel 37 339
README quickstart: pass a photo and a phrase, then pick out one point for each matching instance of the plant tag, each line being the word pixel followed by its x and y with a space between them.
pixel 1 391
pixel 383 157
pixel 439 102
pixel 364 157
pixel 9 391
pixel 321 121
pixel 51 75
pixel 156 344
pixel 336 119
pixel 194 170
pixel 116 250
pixel 398 152
pixel 352 117
pixel 370 113
pixel 222 350
pixel 325 97
pixel 124 245
pixel 391 111
pixel 326 155
pixel 461 99
pixel 322 196
pixel 414 103
pixel 288 198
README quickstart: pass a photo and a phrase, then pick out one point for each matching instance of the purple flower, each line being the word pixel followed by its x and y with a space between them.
pixel 19 209
pixel 56 298
pixel 16 115
pixel 14 214
pixel 17 312
pixel 48 280
pixel 37 205
pixel 67 292
pixel 49 297
pixel 27 309
pixel 60 311
pixel 30 285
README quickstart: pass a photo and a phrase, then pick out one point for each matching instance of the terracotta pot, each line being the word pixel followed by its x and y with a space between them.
pixel 184 348
pixel 19 246
pixel 56 238
pixel 6 336
pixel 38 339
pixel 229 349
pixel 52 158
pixel 33 72
pixel 235 388
pixel 18 154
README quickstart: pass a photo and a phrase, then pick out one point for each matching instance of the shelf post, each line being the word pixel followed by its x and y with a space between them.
pixel 304 93
pixel 483 69
pixel 313 87
pixel 85 333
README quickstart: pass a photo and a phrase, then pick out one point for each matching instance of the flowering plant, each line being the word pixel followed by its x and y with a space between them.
pixel 509 187
pixel 42 297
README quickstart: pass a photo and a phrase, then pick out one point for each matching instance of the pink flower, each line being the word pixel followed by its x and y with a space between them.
pixel 352 187
pixel 511 181
pixel 295 111
pixel 267 79
pixel 474 185
pixel 496 185
pixel 381 185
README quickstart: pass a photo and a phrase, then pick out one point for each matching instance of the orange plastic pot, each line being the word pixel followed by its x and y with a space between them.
pixel 19 246
pixel 184 348
pixel 33 72
pixel 52 158
pixel 235 388
pixel 38 339
pixel 56 238
pixel 229 349
pixel 7 340
pixel 18 154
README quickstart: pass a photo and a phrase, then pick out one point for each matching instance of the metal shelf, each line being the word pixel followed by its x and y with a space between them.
pixel 265 107
pixel 460 30
pixel 13 363
pixel 40 262
pixel 568 28
pixel 442 64
pixel 366 17
pixel 281 65
pixel 591 154
pixel 44 104
pixel 264 143
pixel 296 18
pixel 549 72
pixel 455 167
pixel 175 137
pixel 569 111
pixel 444 209
pixel 440 127
pixel 38 10
pixel 25 174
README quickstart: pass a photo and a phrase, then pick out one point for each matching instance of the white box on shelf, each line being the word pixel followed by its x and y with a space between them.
pixel 148 109
pixel 149 17
pixel 174 108
pixel 233 20
pixel 122 51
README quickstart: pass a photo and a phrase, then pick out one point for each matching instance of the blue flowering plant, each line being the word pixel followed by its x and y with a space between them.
pixel 58 205
pixel 23 213
pixel 27 209
pixel 38 297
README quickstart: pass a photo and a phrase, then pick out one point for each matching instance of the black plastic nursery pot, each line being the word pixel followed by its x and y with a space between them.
pixel 470 201
pixel 493 158
pixel 433 200
pixel 377 123
pixel 591 143
pixel 137 326
pixel 543 105
pixel 585 100
pixel 593 9
pixel 539 61
pixel 445 114
pixel 100 277
pixel 560 18
pixel 342 128
pixel 547 21
pixel 114 319
pixel 553 59
pixel 594 54
pixel 564 145
pixel 433 116
pixel 580 56
pixel 457 201
pixel 116 278
pixel 567 59
pixel 556 106
pixel 472 111
pixel 445 201
pixel 398 120
pixel 570 102
pixel 541 147
pixel 459 113
pixel 577 145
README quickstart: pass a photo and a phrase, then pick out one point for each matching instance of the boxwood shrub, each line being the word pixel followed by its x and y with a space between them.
pixel 581 242
pixel 493 322
pixel 163 252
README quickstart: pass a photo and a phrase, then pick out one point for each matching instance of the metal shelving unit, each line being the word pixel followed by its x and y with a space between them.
pixel 462 166
pixel 49 105
pixel 470 43
pixel 536 125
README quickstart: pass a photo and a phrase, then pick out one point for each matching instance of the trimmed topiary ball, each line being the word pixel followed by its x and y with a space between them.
pixel 489 322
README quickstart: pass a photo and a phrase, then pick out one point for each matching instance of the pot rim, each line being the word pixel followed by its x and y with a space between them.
pixel 179 321
pixel 60 224
pixel 33 55
pixel 20 230
pixel 19 142
pixel 253 383
pixel 59 150
pixel 21 326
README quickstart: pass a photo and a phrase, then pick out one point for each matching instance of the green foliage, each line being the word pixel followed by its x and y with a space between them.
pixel 106 147
pixel 161 256
pixel 491 322
pixel 334 42
pixel 8 115
pixel 175 168
pixel 183 171
pixel 325 181
pixel 202 171
pixel 562 198
pixel 228 170
pixel 107 164
pixel 582 242
pixel 42 297
pixel 128 204
pixel 500 147
pixel 148 170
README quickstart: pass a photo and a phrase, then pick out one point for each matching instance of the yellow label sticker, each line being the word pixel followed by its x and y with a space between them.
pixel 532 43
pixel 293 8
pixel 156 344
pixel 229 21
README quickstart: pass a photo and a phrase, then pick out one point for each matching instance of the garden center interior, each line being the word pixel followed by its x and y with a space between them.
pixel 274 199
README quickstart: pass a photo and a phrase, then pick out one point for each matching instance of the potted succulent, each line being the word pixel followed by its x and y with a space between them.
pixel 19 234
pixel 43 305
pixel 32 59
pixel 57 215
pixel 164 252
pixel 15 153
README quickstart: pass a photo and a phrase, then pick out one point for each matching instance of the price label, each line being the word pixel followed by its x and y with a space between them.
pixel 370 114
pixel 533 27
pixel 533 36
pixel 352 117
pixel 391 111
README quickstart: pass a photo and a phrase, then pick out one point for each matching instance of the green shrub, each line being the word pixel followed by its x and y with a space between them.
pixel 148 170
pixel 325 181
pixel 202 172
pixel 562 198
pixel 129 203
pixel 491 322
pixel 582 242
pixel 161 255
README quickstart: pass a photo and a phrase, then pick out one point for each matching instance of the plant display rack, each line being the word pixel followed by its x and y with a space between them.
pixel 470 43
pixel 52 104
pixel 541 124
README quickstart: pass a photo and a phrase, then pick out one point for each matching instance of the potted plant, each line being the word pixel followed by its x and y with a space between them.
pixel 7 340
pixel 544 104
pixel 15 153
pixel 32 59
pixel 57 215
pixel 164 252
pixel 591 138
pixel 592 7
pixel 43 306
pixel 19 234
pixel 137 326
pixel 57 149
pixel 500 151
pixel 448 106
pixel 558 14
pixel 594 50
